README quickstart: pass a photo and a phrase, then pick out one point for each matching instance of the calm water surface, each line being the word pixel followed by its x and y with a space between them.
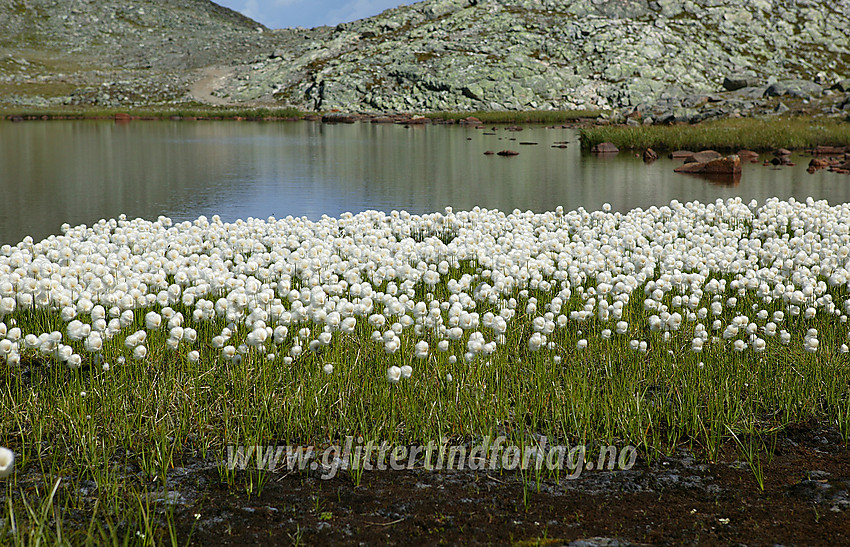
pixel 80 172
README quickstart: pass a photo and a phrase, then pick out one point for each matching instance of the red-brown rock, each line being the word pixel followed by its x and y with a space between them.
pixel 339 117
pixel 605 148
pixel 818 163
pixel 748 155
pixel 828 151
pixel 729 165
pixel 703 156
pixel 507 153
pixel 649 155
pixel 782 152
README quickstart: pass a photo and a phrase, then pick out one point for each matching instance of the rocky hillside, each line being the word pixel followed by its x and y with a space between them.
pixel 110 52
pixel 668 58
pixel 545 54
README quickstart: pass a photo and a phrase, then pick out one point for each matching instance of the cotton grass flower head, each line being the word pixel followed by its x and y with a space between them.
pixel 153 320
pixel 393 374
pixel 7 462
pixel 691 273
pixel 421 349
pixel 140 352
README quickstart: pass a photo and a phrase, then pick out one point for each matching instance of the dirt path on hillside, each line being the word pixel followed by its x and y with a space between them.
pixel 212 78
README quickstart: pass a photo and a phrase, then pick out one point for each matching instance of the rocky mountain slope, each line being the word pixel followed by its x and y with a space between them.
pixel 544 54
pixel 110 53
pixel 671 57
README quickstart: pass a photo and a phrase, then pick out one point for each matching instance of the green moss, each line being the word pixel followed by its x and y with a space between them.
pixel 424 57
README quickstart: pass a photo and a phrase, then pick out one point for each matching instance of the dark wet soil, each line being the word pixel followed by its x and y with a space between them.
pixel 674 500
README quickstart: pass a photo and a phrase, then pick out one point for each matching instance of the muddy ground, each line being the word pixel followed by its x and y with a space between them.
pixel 674 500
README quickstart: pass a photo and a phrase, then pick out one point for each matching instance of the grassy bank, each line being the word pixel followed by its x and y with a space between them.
pixel 202 112
pixel 724 135
pixel 228 113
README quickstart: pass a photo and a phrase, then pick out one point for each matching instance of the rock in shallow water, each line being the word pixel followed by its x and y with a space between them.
pixel 729 165
pixel 605 148
pixel 703 156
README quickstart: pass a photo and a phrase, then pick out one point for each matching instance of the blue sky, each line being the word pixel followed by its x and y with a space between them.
pixel 309 13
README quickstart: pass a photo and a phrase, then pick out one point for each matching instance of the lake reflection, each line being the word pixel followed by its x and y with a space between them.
pixel 80 172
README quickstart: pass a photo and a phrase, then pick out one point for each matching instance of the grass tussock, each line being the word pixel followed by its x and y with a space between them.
pixel 724 135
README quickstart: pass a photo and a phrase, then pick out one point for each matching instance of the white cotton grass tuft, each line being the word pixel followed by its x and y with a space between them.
pixel 153 320
pixel 711 279
pixel 7 462
pixel 140 352
pixel 393 374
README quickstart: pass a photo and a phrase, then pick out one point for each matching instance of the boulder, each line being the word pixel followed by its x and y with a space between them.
pixel 339 117
pixel 794 88
pixel 844 169
pixel 739 81
pixel 649 155
pixel 748 155
pixel 843 86
pixel 817 164
pixel 828 151
pixel 729 165
pixel 781 152
pixel 507 153
pixel 605 148
pixel 703 156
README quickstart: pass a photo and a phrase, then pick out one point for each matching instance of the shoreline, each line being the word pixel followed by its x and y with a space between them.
pixel 797 132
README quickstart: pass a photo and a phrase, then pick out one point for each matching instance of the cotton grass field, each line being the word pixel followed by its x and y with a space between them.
pixel 130 350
